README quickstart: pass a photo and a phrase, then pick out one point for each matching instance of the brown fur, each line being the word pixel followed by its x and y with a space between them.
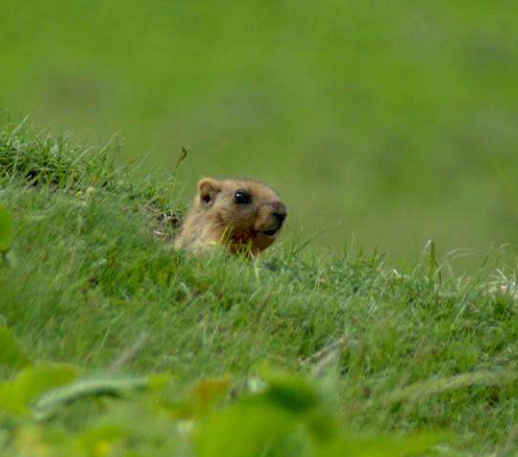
pixel 217 218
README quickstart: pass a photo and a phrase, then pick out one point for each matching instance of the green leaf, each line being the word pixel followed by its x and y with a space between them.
pixel 300 397
pixel 6 229
pixel 203 397
pixel 247 430
pixel 17 395
pixel 11 354
pixel 49 403
pixel 289 391
pixel 208 392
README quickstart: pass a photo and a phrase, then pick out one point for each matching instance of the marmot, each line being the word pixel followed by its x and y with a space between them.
pixel 243 215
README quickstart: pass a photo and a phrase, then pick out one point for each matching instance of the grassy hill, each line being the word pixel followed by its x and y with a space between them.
pixel 393 121
pixel 92 291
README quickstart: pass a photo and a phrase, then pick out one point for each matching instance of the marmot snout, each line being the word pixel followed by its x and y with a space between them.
pixel 243 215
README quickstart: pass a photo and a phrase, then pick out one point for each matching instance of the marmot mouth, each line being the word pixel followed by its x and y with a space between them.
pixel 272 232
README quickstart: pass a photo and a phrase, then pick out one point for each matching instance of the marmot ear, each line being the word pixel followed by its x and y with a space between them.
pixel 208 189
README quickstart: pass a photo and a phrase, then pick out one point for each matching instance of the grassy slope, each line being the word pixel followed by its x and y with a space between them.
pixel 397 114
pixel 90 278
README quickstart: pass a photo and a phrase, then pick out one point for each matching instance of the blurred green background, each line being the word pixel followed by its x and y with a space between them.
pixel 392 122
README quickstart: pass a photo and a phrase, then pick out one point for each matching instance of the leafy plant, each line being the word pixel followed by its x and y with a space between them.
pixel 284 418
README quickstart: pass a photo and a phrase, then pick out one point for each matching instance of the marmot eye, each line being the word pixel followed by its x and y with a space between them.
pixel 241 198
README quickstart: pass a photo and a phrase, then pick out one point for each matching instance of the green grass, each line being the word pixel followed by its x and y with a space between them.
pixel 89 283
pixel 393 122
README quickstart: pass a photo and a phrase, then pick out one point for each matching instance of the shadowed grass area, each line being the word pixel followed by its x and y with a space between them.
pixel 91 284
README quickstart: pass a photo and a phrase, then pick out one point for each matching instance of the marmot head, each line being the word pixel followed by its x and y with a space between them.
pixel 247 212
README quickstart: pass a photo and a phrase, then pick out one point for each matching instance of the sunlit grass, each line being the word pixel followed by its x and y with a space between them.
pixel 90 283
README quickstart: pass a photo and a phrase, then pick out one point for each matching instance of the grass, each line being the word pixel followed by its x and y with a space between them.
pixel 91 284
pixel 394 121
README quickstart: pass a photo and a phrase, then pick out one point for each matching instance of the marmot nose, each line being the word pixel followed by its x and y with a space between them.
pixel 279 211
pixel 280 217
